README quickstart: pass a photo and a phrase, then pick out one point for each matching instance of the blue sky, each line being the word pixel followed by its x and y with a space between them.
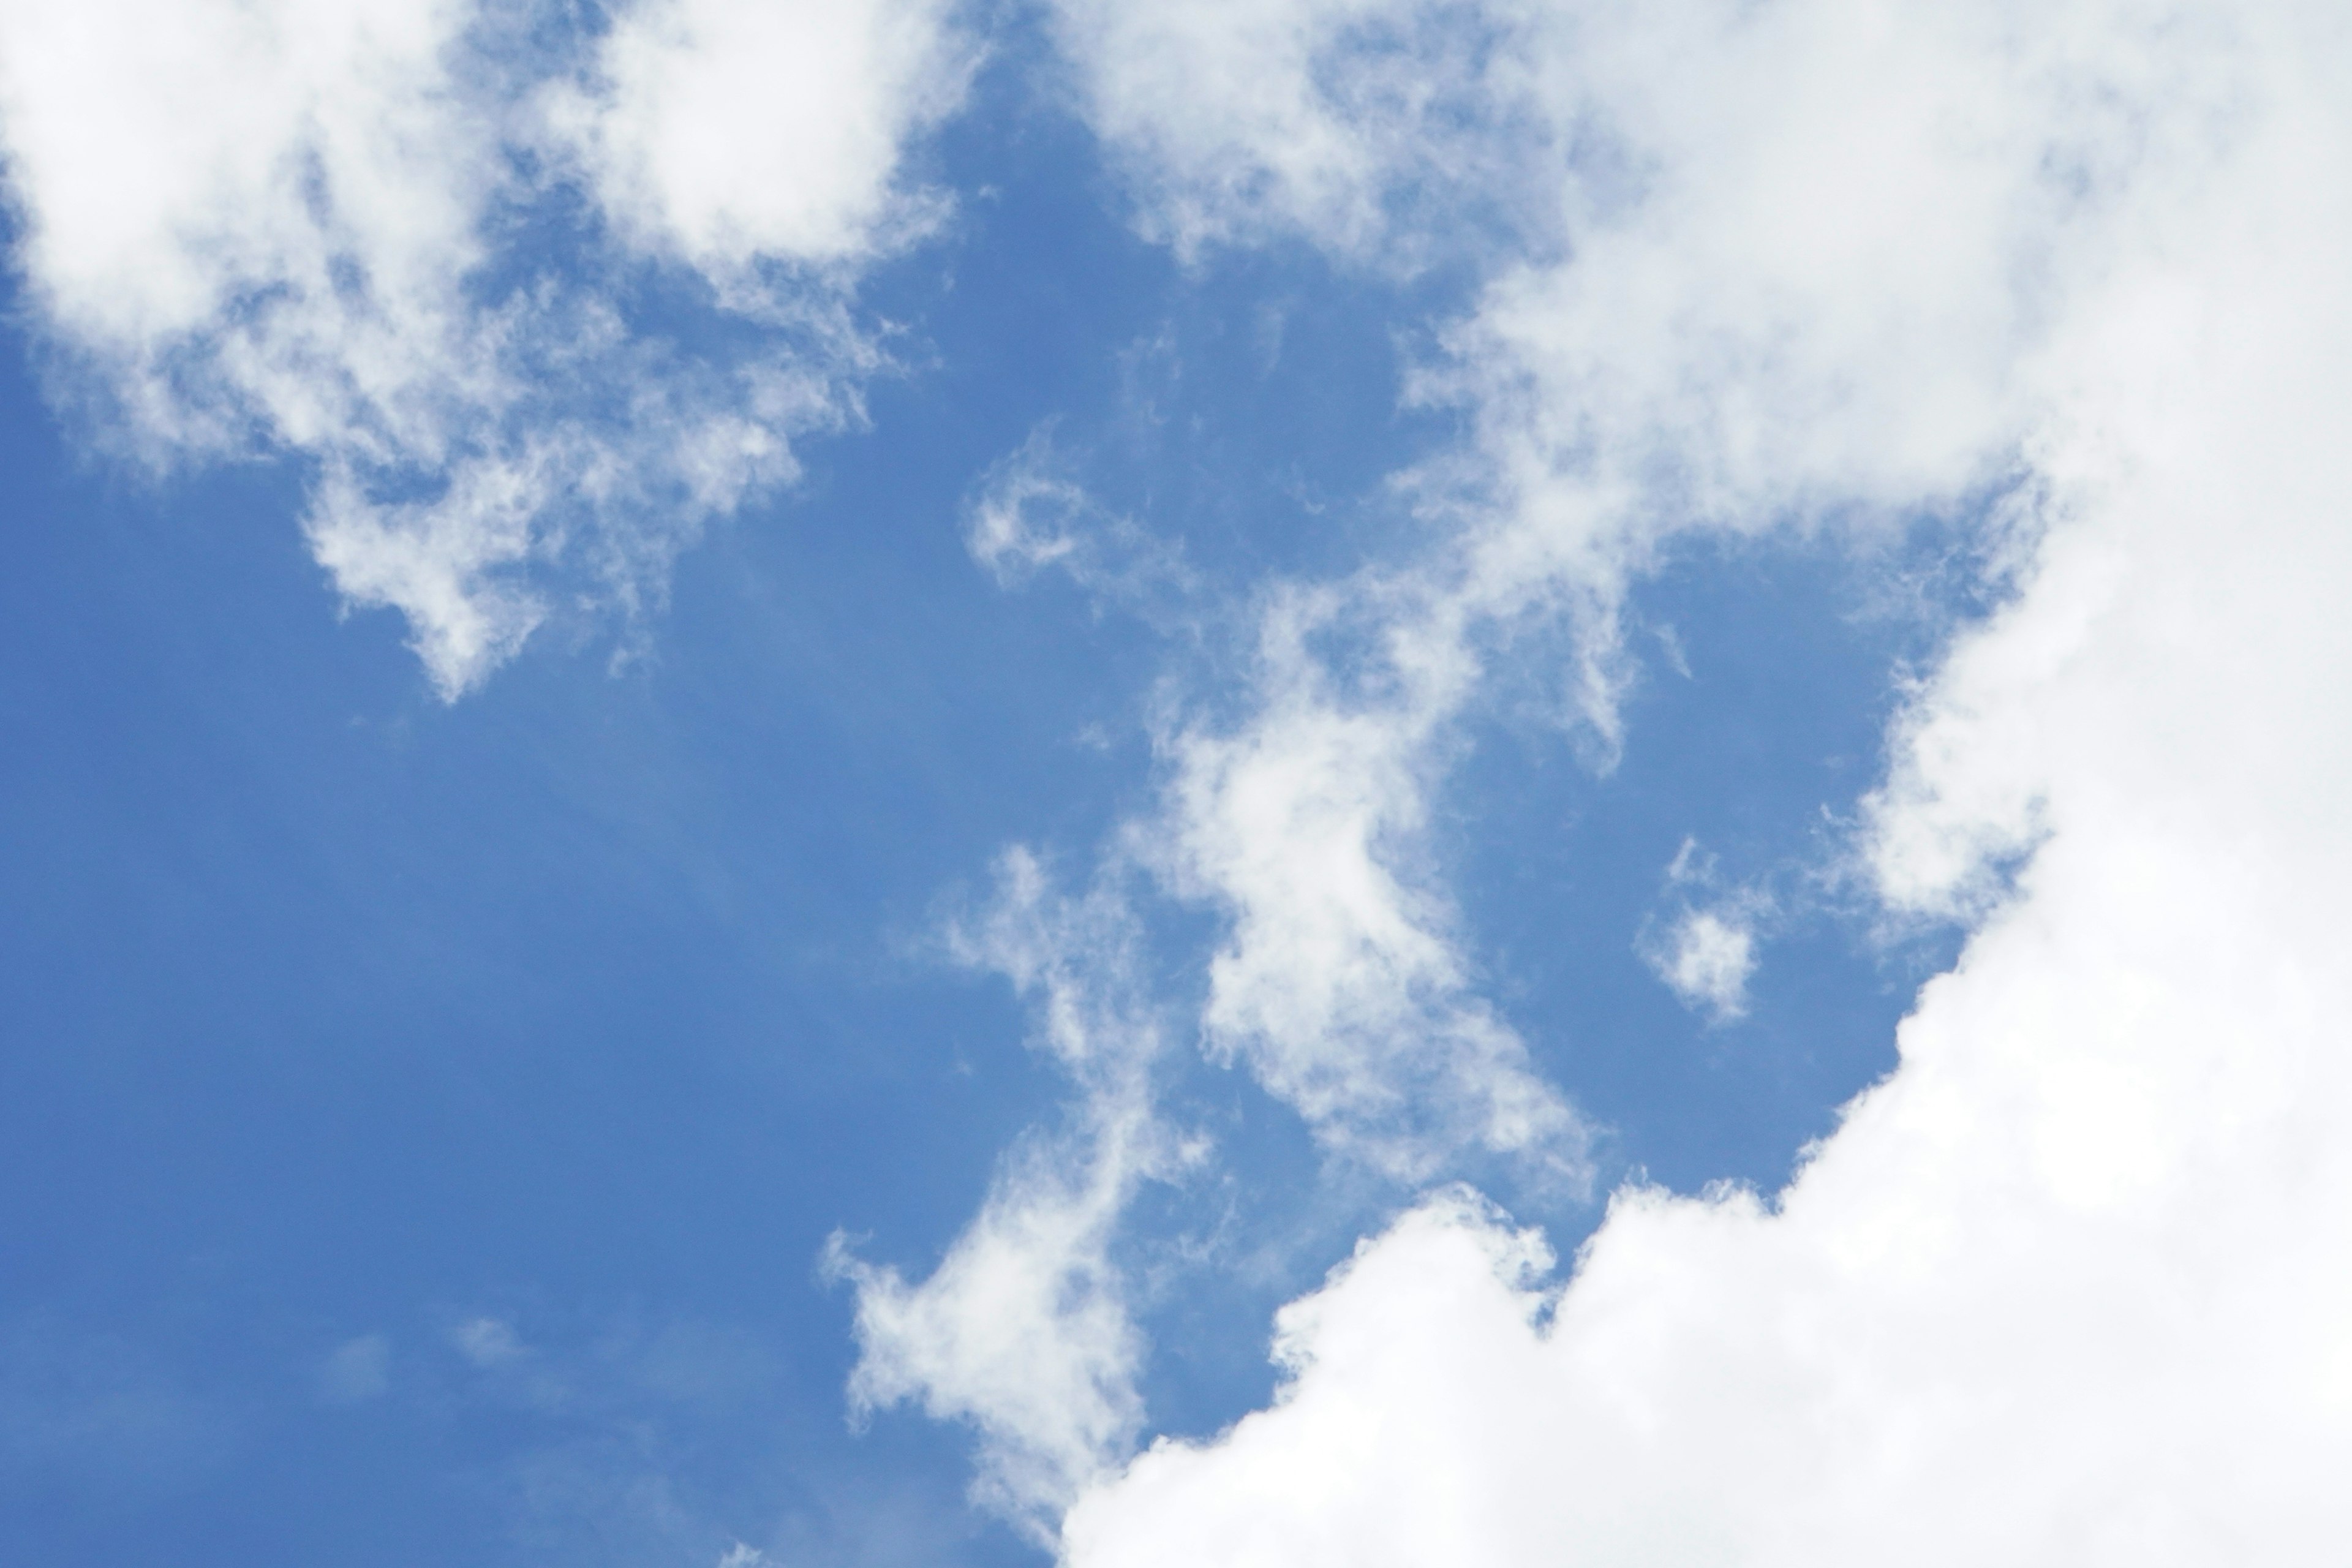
pixel 1493 669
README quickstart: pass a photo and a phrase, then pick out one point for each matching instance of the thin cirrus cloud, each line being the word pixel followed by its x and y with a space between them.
pixel 289 229
pixel 1032 514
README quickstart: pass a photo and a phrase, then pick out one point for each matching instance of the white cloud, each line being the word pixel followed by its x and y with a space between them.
pixel 1707 960
pixel 1028 515
pixel 728 131
pixel 1730 308
pixel 282 228
pixel 1707 953
pixel 2067 1287
pixel 1341 983
pixel 1032 514
pixel 1242 120
pixel 1024 1329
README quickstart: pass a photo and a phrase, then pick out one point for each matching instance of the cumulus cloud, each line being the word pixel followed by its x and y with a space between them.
pixel 1707 953
pixel 291 229
pixel 728 131
pixel 2067 1287
pixel 1707 958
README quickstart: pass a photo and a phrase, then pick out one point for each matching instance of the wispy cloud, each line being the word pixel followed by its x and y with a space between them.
pixel 1032 513
pixel 1341 983
pixel 1383 127
pixel 323 232
pixel 488 1341
pixel 1024 1328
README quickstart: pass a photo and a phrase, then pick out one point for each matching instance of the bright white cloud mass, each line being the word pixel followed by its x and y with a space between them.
pixel 2069 1285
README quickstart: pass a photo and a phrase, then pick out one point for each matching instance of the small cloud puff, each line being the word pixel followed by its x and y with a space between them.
pixel 486 1342
pixel 1706 961
pixel 1707 954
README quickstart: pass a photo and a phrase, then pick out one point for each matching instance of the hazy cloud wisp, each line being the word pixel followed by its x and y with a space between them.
pixel 292 230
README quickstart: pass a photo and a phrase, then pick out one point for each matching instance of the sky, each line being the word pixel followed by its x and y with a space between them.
pixel 1266 782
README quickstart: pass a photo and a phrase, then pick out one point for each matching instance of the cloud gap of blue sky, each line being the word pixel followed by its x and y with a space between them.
pixel 1766 676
